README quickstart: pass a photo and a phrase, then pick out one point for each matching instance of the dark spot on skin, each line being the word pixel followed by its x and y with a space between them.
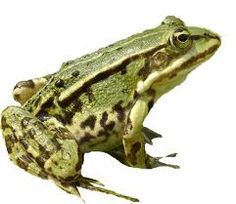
pixel 86 138
pixel 9 148
pixel 29 84
pixel 151 92
pixel 9 144
pixel 59 83
pixel 147 163
pixel 89 122
pixel 104 119
pixel 48 104
pixel 136 94
pixel 4 122
pixel 102 133
pixel 27 158
pixel 75 73
pixel 22 164
pixel 90 95
pixel 123 71
pixel 134 149
pixel 120 111
pixel 119 48
pixel 79 164
pixel 30 109
pixel 150 105
pixel 195 37
pixel 61 119
pixel 110 126
pixel 44 154
pixel 13 139
pixel 125 91
pixel 129 124
pixel 24 143
pixel 43 175
pixel 77 105
pixel 68 115
pixel 40 161
pixel 145 71
pixel 172 75
pixel 17 97
pixel 69 179
pixel 66 118
pixel 123 66
pixel 50 170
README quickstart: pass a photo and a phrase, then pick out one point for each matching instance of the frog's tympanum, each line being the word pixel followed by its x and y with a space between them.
pixel 99 101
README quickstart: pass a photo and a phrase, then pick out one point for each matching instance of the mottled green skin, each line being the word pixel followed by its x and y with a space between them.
pixel 98 103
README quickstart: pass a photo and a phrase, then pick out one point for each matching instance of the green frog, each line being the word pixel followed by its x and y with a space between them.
pixel 98 102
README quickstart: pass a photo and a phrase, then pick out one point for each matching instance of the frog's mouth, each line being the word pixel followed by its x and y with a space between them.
pixel 177 70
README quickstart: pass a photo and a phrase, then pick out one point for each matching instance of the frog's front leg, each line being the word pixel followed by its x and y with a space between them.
pixel 47 150
pixel 24 90
pixel 134 142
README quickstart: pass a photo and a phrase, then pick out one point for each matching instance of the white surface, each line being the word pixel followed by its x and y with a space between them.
pixel 196 119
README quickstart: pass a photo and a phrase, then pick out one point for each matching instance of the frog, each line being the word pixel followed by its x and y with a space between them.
pixel 98 102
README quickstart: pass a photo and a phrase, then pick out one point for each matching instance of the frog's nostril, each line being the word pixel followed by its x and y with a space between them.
pixel 212 35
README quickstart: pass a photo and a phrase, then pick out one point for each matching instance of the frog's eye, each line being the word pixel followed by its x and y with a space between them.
pixel 181 38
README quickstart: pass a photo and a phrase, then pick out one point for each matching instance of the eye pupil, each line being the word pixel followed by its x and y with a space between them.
pixel 183 37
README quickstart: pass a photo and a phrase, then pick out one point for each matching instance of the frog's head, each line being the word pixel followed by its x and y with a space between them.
pixel 181 50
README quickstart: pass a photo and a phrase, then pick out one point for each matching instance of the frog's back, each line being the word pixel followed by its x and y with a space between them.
pixel 116 53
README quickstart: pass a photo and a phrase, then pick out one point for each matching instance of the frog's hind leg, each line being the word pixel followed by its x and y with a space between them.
pixel 49 152
pixel 17 146
pixel 24 90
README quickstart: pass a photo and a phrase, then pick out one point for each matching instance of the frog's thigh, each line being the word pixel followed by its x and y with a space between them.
pixel 133 140
pixel 24 90
pixel 48 154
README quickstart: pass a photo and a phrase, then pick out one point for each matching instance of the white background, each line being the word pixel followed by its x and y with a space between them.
pixel 196 119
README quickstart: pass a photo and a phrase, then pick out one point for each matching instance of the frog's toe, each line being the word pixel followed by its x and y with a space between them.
pixel 171 155
pixel 154 162
pixel 149 135
pixel 92 181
